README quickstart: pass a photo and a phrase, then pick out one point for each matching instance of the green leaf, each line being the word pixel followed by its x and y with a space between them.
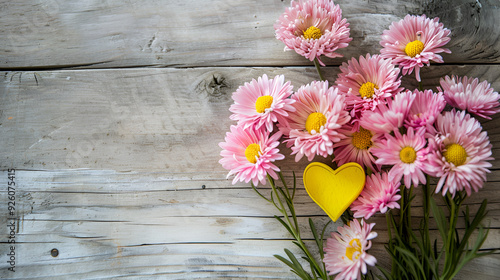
pixel 285 261
pixel 467 217
pixel 285 225
pixel 271 180
pixel 288 201
pixel 478 218
pixel 344 220
pixel 397 260
pixel 440 220
pixel 368 171
pixel 414 261
pixel 396 233
pixel 260 194
pixel 408 203
pixel 274 203
pixel 419 242
pixel 323 231
pixel 285 186
pixel 385 272
pixel 438 255
pixel 472 254
pixel 312 266
pixel 301 246
pixel 294 265
pixel 319 242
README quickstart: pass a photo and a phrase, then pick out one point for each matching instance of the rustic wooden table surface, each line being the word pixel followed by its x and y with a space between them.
pixel 111 113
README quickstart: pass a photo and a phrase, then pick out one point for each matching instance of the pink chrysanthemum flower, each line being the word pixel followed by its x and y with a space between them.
pixel 459 151
pixel 368 82
pixel 426 106
pixel 468 94
pixel 345 251
pixel 263 102
pixel 415 41
pixel 407 155
pixel 313 28
pixel 379 194
pixel 314 125
pixel 356 147
pixel 390 117
pixel 250 154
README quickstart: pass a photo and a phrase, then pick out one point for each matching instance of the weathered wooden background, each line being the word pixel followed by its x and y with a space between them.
pixel 111 112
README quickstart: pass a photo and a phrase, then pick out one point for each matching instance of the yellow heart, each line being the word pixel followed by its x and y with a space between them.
pixel 334 190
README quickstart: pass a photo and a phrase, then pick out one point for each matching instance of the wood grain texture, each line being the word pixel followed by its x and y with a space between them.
pixel 118 169
pixel 190 33
pixel 142 119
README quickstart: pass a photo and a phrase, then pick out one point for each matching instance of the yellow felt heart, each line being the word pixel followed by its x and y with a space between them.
pixel 334 190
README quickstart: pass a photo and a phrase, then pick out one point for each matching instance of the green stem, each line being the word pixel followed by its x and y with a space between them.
pixel 457 251
pixel 450 247
pixel 425 233
pixel 420 86
pixel 408 228
pixel 290 198
pixel 281 208
pixel 402 209
pixel 284 184
pixel 388 218
pixel 295 226
pixel 318 69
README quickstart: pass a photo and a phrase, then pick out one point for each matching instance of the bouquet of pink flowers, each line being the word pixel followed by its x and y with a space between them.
pixel 402 138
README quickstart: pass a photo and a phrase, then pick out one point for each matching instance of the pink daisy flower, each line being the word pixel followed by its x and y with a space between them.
pixel 390 117
pixel 407 155
pixel 459 153
pixel 468 94
pixel 313 28
pixel 379 194
pixel 314 125
pixel 263 102
pixel 424 109
pixel 415 41
pixel 356 147
pixel 250 154
pixel 368 82
pixel 345 251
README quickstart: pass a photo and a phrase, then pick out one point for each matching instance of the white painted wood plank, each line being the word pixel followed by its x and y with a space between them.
pixel 98 234
pixel 114 33
pixel 111 202
pixel 143 119
pixel 111 165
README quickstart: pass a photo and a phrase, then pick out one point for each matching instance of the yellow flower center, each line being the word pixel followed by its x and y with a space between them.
pixel 312 33
pixel 263 103
pixel 315 121
pixel 252 152
pixel 414 48
pixel 354 246
pixel 367 89
pixel 362 139
pixel 408 155
pixel 455 154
